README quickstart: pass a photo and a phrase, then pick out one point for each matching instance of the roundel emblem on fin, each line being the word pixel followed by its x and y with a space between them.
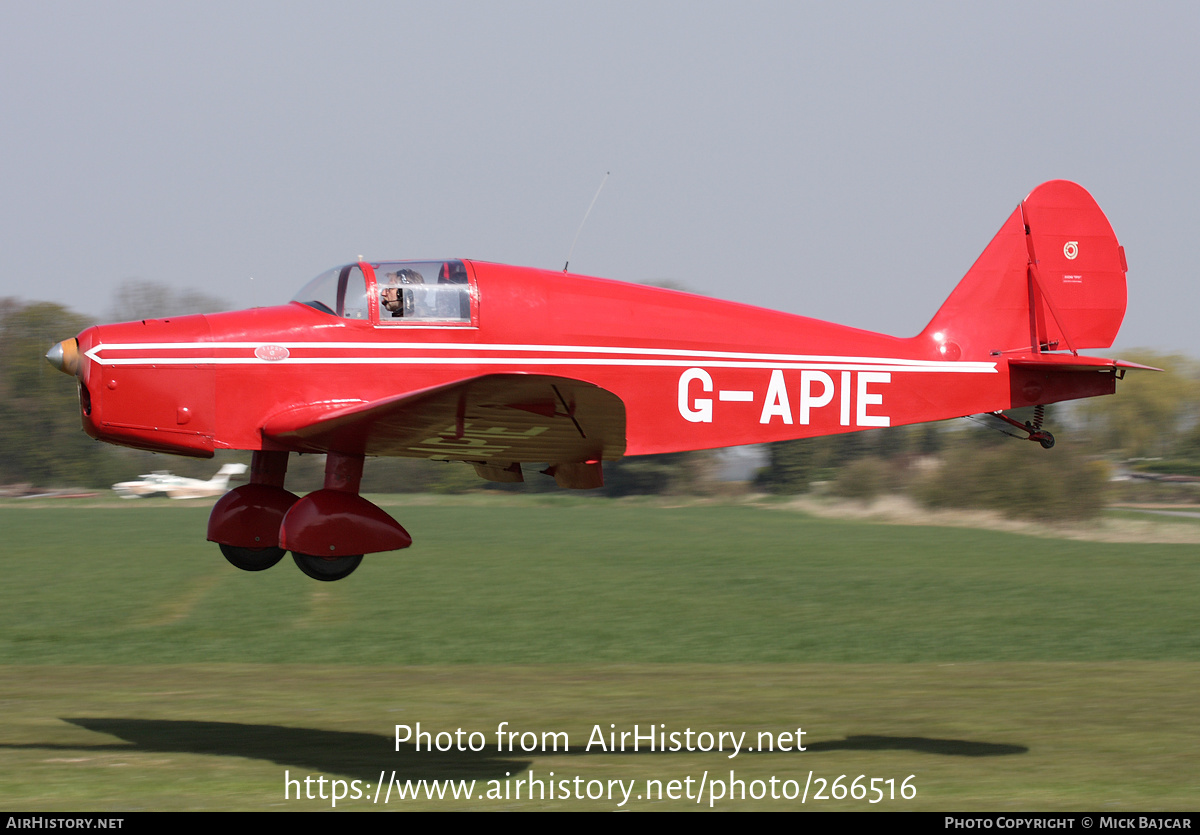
pixel 1071 250
pixel 271 353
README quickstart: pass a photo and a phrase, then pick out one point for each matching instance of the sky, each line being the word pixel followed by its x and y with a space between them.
pixel 843 161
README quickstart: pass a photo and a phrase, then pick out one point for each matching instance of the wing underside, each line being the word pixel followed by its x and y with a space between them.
pixel 492 421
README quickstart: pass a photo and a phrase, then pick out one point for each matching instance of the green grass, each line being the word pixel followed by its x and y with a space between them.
pixel 594 582
pixel 1001 737
pixel 1005 672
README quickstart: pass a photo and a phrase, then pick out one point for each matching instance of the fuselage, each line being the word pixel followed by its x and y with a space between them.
pixel 692 372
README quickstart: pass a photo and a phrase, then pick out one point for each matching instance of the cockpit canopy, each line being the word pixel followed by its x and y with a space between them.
pixel 394 292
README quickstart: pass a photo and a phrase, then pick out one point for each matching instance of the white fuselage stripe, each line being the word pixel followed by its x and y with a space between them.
pixel 664 358
pixel 545 361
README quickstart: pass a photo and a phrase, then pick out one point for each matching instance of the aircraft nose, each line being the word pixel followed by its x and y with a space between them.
pixel 65 356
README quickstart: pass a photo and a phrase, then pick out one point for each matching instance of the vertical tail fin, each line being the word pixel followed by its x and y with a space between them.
pixel 1052 279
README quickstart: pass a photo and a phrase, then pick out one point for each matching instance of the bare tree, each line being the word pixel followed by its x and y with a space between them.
pixel 137 298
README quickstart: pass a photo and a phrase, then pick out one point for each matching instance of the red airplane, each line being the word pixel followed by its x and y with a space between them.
pixel 500 366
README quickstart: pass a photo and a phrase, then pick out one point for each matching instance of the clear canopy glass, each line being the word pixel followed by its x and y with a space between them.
pixel 341 291
pixel 422 291
pixel 407 292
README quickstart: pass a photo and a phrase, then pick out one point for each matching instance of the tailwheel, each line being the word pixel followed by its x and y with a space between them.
pixel 1032 428
pixel 326 568
pixel 1035 428
pixel 252 559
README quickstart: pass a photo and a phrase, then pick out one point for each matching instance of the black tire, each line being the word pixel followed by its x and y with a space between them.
pixel 252 559
pixel 1047 440
pixel 326 569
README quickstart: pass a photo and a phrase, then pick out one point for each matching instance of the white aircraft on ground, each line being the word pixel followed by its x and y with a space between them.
pixel 178 487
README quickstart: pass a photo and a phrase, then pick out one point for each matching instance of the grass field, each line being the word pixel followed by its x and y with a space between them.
pixel 1002 671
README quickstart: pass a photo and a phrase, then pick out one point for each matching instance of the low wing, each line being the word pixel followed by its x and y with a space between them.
pixel 493 421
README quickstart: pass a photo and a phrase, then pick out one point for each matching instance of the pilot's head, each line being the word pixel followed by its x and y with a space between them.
pixel 395 298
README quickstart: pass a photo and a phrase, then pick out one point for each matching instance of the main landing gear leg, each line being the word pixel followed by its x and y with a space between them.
pixel 1032 428
pixel 329 531
pixel 245 521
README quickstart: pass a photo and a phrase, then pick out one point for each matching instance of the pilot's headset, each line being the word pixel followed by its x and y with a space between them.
pixel 406 278
pixel 406 295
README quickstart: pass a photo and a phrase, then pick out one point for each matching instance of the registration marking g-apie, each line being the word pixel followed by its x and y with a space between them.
pixel 856 392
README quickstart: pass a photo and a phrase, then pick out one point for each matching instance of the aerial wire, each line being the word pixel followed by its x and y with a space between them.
pixel 585 217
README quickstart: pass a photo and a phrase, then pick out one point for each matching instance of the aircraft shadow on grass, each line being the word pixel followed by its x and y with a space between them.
pixel 362 755
pixel 916 744
pixel 356 755
pixel 920 744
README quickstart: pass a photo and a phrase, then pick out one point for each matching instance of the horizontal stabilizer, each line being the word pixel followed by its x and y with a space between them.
pixel 1072 362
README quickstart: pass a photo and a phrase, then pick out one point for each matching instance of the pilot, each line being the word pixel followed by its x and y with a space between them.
pixel 397 300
